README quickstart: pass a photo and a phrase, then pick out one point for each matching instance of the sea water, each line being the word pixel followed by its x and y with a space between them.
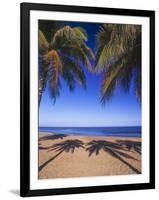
pixel 131 131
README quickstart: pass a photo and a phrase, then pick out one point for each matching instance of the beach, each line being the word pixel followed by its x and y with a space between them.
pixel 63 156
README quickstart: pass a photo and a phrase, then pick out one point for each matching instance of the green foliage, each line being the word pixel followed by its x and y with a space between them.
pixel 118 56
pixel 43 43
pixel 72 72
pixel 64 57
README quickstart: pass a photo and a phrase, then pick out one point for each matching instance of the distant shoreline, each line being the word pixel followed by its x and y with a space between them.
pixel 95 135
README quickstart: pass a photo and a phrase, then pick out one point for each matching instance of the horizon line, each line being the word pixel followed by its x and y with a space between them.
pixel 87 126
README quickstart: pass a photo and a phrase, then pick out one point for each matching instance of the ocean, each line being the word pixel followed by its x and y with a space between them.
pixel 133 131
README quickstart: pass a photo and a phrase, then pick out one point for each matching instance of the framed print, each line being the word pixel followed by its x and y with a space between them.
pixel 87 99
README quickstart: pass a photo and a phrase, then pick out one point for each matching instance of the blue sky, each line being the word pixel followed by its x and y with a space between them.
pixel 82 107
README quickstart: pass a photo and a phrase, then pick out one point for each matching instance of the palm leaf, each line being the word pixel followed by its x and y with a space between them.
pixel 76 52
pixel 118 54
pixel 120 71
pixel 111 77
pixel 137 86
pixel 64 57
pixel 81 33
pixel 115 44
pixel 63 36
pixel 55 67
pixel 88 51
pixel 43 43
pixel 73 71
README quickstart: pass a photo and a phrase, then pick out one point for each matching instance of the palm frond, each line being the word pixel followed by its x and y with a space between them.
pixel 67 36
pixel 73 71
pixel 55 67
pixel 65 56
pixel 43 43
pixel 63 36
pixel 88 51
pixel 118 54
pixel 119 72
pixel 81 33
pixel 76 52
pixel 137 86
pixel 117 40
pixel 54 92
pixel 110 79
pixel 71 41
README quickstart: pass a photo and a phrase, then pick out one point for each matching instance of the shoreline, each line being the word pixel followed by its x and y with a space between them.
pixel 87 135
pixel 62 155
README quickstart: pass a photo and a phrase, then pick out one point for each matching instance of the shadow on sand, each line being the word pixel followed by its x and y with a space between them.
pixel 52 137
pixel 66 146
pixel 131 145
pixel 113 149
pixel 94 147
pixel 41 147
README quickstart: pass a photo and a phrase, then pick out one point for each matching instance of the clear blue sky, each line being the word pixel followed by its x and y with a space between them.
pixel 82 107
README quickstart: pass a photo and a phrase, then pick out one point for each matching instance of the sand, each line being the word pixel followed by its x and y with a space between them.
pixel 62 156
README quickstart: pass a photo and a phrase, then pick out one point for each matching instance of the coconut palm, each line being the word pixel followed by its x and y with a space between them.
pixel 119 58
pixel 63 57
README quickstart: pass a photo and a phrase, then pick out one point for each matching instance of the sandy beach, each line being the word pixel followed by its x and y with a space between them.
pixel 62 156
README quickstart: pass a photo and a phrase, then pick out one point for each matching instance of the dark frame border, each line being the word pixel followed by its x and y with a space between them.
pixel 25 9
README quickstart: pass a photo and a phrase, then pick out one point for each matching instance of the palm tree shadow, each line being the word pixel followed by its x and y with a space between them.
pixel 113 149
pixel 131 145
pixel 66 146
pixel 41 147
pixel 53 137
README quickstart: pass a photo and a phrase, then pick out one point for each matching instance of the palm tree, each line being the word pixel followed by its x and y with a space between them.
pixel 63 57
pixel 119 58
